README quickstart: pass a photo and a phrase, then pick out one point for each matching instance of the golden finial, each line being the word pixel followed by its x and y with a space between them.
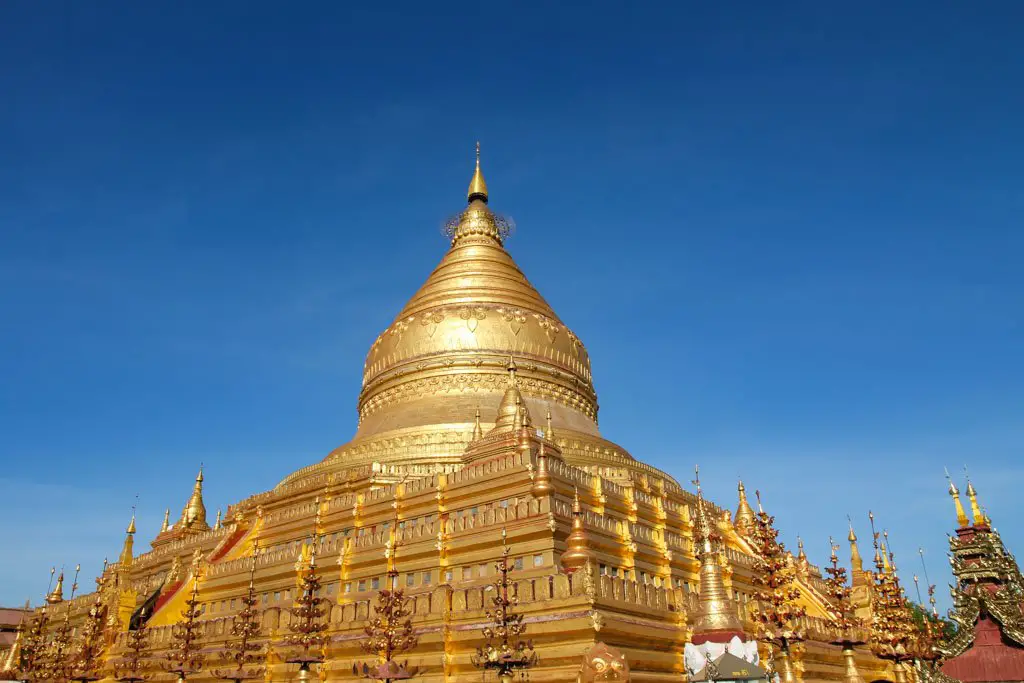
pixel 542 485
pixel 979 517
pixel 549 431
pixel 577 554
pixel 744 518
pixel 517 419
pixel 856 563
pixel 716 612
pixel 833 558
pixel 125 558
pixel 511 367
pixel 478 431
pixel 961 516
pixel 165 527
pixel 886 555
pixel 216 524
pixel 57 594
pixel 194 514
pixel 477 186
pixel 757 494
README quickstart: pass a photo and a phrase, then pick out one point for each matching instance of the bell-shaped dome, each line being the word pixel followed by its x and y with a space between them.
pixel 441 368
pixel 446 352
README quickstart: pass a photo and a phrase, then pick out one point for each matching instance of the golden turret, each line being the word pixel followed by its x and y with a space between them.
pixel 856 563
pixel 802 562
pixel 576 554
pixel 980 519
pixel 549 431
pixel 125 559
pixel 478 431
pixel 961 516
pixel 477 186
pixel 542 485
pixel 716 614
pixel 744 519
pixel 193 516
pixel 512 411
pixel 166 526
pixel 57 594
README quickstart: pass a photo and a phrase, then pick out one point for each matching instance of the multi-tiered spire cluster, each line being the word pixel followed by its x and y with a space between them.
pixel 309 625
pixel 242 650
pixel 504 651
pixel 185 657
pixel 778 592
pixel 389 633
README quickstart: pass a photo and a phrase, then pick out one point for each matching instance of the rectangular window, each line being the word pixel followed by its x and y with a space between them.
pixel 538 560
pixel 264 598
pixel 348 587
pixel 330 589
pixel 603 570
pixel 518 563
pixel 483 570
pixel 375 583
pixel 448 576
pixel 426 578
pixel 233 602
pixel 467 573
pixel 410 579
pixel 474 511
pixel 504 504
pixel 362 585
pixel 277 595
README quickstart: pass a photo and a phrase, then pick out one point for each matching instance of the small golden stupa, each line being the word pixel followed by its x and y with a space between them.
pixel 477 426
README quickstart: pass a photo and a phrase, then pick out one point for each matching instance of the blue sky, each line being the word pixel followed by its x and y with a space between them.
pixel 789 236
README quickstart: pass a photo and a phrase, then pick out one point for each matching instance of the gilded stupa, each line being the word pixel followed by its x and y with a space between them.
pixel 477 442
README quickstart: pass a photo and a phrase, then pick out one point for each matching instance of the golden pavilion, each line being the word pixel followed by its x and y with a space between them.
pixel 477 526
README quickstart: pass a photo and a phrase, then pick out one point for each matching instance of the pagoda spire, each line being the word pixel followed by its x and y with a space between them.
pixel 57 594
pixel 549 431
pixel 980 519
pixel 193 516
pixel 856 563
pixel 744 518
pixel 165 527
pixel 477 186
pixel 577 554
pixel 125 559
pixel 954 492
pixel 512 412
pixel 716 618
pixel 478 431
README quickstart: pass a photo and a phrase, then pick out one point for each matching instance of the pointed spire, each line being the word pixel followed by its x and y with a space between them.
pixel 577 554
pixel 744 519
pixel 193 516
pixel 166 526
pixel 57 594
pixel 980 519
pixel 802 563
pixel 477 186
pixel 216 525
pixel 716 614
pixel 549 431
pixel 512 406
pixel 478 431
pixel 856 563
pixel 961 516
pixel 125 558
pixel 542 485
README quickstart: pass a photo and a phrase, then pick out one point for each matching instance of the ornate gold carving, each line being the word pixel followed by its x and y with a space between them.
pixel 603 663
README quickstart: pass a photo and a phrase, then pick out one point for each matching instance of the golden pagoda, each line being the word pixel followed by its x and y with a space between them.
pixel 449 459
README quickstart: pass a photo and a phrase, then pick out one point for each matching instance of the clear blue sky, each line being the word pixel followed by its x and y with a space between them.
pixel 789 234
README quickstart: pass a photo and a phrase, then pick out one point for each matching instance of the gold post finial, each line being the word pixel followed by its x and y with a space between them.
pixel 167 521
pixel 478 431
pixel 477 186
pixel 980 519
pixel 549 431
pixel 856 563
pixel 744 517
pixel 961 516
